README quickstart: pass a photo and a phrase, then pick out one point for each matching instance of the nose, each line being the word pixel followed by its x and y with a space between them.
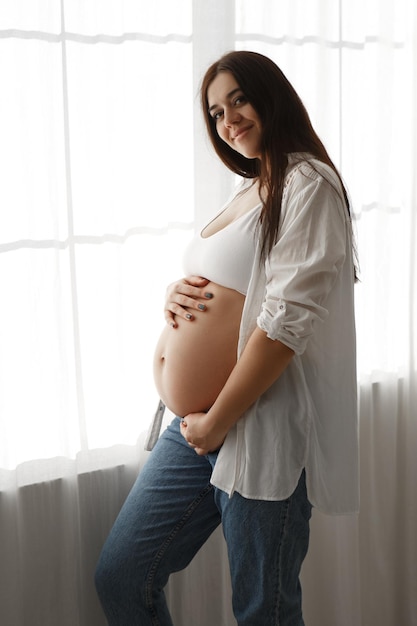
pixel 231 116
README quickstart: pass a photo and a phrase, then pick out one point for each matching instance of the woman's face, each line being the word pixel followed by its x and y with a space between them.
pixel 237 122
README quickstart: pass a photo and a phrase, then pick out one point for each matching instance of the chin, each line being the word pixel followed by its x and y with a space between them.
pixel 247 155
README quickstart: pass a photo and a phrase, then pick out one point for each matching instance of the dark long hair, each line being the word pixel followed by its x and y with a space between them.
pixel 286 128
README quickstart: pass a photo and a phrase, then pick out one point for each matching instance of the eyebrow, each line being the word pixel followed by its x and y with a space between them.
pixel 229 95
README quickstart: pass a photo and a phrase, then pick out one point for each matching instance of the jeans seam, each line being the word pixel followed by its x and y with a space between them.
pixel 164 547
pixel 278 593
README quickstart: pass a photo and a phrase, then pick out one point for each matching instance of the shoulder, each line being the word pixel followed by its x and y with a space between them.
pixel 303 170
pixel 309 180
pixel 312 191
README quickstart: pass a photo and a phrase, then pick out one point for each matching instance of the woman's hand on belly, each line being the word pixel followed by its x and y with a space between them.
pixel 193 361
pixel 198 431
pixel 183 296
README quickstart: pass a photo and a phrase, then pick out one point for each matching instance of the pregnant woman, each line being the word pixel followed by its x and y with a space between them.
pixel 193 361
pixel 257 360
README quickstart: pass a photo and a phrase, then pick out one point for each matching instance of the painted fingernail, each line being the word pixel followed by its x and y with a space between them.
pixel 208 295
pixel 202 307
pixel 188 316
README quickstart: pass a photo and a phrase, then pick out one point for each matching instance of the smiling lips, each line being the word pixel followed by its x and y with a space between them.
pixel 240 132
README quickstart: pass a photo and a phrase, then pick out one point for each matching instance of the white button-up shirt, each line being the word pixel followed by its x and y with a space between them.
pixel 303 297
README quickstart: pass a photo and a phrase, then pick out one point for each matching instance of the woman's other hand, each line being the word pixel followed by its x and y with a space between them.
pixel 183 296
pixel 201 434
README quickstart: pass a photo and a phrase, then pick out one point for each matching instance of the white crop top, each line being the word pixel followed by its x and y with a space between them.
pixel 226 257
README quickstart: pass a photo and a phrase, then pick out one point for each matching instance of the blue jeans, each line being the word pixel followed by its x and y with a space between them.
pixel 171 511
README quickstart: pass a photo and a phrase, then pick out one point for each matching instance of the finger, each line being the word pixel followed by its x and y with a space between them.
pixel 174 311
pixel 184 289
pixel 183 307
pixel 201 451
pixel 170 319
pixel 197 281
pixel 183 431
pixel 183 299
pixel 188 302
pixel 187 295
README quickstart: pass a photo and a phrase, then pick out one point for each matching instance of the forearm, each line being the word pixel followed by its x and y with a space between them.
pixel 260 365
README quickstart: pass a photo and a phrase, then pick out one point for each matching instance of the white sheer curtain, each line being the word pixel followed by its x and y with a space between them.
pixel 105 173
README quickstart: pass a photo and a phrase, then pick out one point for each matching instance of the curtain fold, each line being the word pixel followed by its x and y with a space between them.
pixel 106 172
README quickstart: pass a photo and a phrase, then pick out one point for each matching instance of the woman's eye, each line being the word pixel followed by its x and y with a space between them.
pixel 240 100
pixel 217 115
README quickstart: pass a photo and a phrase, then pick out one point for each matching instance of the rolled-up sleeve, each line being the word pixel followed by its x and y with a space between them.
pixel 303 264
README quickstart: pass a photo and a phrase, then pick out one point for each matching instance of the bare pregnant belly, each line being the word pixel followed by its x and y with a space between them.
pixel 193 361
